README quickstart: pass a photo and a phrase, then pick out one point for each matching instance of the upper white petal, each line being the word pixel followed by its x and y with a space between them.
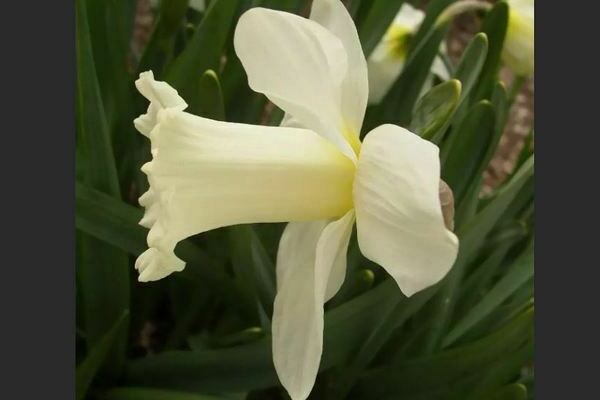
pixel 398 212
pixel 299 66
pixel 311 263
pixel 332 15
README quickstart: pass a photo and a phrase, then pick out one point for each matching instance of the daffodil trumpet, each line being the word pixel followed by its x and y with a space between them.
pixel 313 172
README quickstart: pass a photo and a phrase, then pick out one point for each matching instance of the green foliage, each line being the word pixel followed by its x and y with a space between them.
pixel 204 333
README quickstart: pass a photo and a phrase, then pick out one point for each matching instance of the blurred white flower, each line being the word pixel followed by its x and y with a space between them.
pixel 313 171
pixel 389 56
pixel 518 51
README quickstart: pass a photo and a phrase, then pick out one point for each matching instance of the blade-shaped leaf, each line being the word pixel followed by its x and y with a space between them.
pixel 207 101
pixel 115 222
pixel 494 26
pixel 471 236
pixel 251 261
pixel 519 273
pixel 204 49
pixel 103 269
pixel 434 110
pixel 135 393
pixel 465 152
pixel 86 371
pixel 445 369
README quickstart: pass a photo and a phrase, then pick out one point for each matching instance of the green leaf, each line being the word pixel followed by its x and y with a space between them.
pixel 444 370
pixel 434 110
pixel 207 101
pixel 138 393
pixel 116 223
pixel 469 67
pixel 379 17
pixel 500 103
pixel 203 50
pixel 471 236
pixel 252 263
pixel 464 155
pixel 519 273
pixel 516 391
pixel 102 270
pixel 86 371
pixel 250 366
pixel 392 314
pixel 161 47
pixel 494 26
pixel 434 9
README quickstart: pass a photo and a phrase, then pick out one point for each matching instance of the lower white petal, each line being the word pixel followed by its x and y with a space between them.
pixel 207 174
pixel 398 212
pixel 311 264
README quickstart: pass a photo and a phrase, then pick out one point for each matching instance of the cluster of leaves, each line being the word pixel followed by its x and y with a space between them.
pixel 204 333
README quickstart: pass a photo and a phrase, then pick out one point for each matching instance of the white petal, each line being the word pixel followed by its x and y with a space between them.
pixel 409 17
pixel 332 250
pixel 299 66
pixel 207 174
pixel 398 212
pixel 332 15
pixel 383 71
pixel 161 96
pixel 310 255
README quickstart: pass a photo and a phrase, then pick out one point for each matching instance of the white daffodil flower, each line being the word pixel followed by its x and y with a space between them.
pixel 519 43
pixel 314 172
pixel 387 60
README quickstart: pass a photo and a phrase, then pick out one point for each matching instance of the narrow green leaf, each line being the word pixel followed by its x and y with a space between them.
pixel 102 270
pixel 434 9
pixel 251 261
pixel 392 314
pixel 494 26
pixel 469 67
pixel 138 393
pixel 250 366
pixel 116 223
pixel 379 17
pixel 161 47
pixel 464 154
pixel 516 391
pixel 443 370
pixel 86 371
pixel 208 99
pixel 471 236
pixel 519 273
pixel 500 103
pixel 204 49
pixel 434 110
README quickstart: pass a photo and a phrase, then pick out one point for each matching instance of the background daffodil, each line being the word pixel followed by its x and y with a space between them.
pixel 313 171
pixel 388 59
pixel 518 51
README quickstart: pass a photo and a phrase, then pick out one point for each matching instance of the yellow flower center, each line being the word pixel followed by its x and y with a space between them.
pixel 397 40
